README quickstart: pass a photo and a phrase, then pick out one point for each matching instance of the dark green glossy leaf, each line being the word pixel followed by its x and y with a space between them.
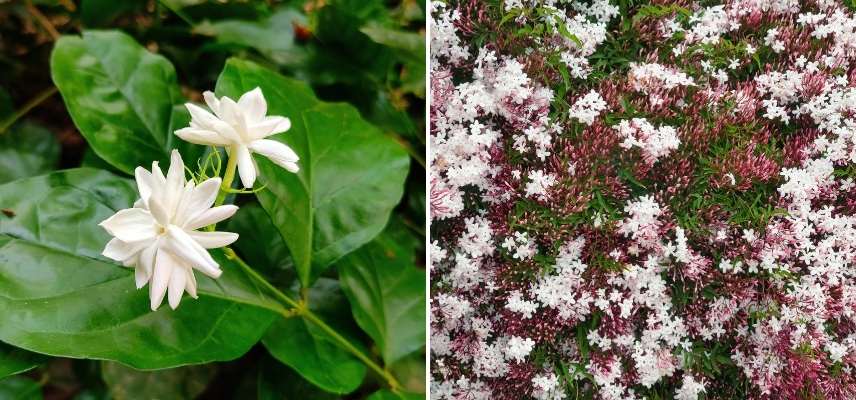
pixel 310 351
pixel 15 361
pixel 27 149
pixel 121 98
pixel 20 388
pixel 351 175
pixel 273 37
pixel 126 383
pixel 387 292
pixel 96 13
pixel 277 382
pixel 60 297
pixel 261 246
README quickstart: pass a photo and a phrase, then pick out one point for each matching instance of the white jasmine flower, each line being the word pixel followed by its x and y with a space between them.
pixel 518 348
pixel 241 128
pixel 159 237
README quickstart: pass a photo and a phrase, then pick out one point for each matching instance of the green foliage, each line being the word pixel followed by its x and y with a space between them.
pixel 27 149
pixel 126 383
pixel 77 304
pixel 387 293
pixel 351 176
pixel 15 361
pixel 124 92
pixel 311 351
pixel 121 97
pixel 19 388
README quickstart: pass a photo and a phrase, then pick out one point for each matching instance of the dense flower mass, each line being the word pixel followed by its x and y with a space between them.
pixel 643 201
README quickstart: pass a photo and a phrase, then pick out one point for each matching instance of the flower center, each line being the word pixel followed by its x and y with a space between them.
pixel 161 229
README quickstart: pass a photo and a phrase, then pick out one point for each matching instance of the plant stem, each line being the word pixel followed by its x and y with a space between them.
pixel 301 309
pixel 391 381
pixel 44 21
pixel 35 101
pixel 228 177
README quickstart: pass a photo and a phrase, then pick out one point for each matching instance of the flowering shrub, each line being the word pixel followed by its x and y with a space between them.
pixel 271 231
pixel 643 200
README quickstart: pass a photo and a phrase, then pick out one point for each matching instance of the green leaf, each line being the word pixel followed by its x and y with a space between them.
pixel 126 383
pixel 27 149
pixel 15 361
pixel 261 246
pixel 351 175
pixel 273 37
pixel 277 382
pixel 20 388
pixel 95 13
pixel 121 97
pixel 387 292
pixel 411 44
pixel 310 351
pixel 59 296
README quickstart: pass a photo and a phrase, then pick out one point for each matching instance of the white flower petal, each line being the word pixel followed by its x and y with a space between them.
pixel 277 152
pixel 145 183
pixel 146 264
pixel 121 251
pixel 160 214
pixel 182 245
pixel 231 114
pixel 211 216
pixel 199 116
pixel 246 168
pixel 140 277
pixel 253 105
pixel 212 101
pixel 269 126
pixel 174 183
pixel 201 136
pixel 200 200
pixel 131 225
pixel 177 282
pixel 191 283
pixel 213 240
pixel 164 266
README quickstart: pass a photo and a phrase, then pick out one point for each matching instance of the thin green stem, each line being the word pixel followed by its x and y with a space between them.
pixel 33 103
pixel 391 381
pixel 264 282
pixel 301 308
pixel 228 177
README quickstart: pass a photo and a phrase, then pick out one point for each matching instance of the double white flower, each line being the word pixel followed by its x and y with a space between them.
pixel 159 236
pixel 241 127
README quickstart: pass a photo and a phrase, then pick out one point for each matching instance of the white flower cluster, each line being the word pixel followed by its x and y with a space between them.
pixel 588 107
pixel 650 77
pixel 654 142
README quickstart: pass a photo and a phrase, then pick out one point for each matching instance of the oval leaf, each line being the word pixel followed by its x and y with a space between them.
pixel 351 175
pixel 311 352
pixel 58 296
pixel 120 97
pixel 387 293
